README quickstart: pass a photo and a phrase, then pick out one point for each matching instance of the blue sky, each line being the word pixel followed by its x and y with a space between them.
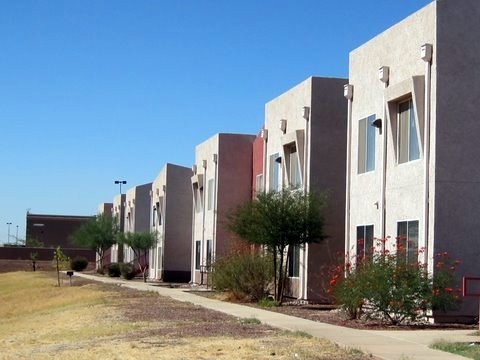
pixel 93 91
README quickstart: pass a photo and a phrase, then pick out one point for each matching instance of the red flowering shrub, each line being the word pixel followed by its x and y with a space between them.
pixel 392 286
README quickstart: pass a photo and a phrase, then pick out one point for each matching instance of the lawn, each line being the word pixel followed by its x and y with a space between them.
pixel 93 321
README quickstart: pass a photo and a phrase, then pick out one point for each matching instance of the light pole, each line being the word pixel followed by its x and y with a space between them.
pixel 8 238
pixel 16 237
pixel 121 223
pixel 120 182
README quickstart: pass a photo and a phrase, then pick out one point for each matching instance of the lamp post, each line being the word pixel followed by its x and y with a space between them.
pixel 16 237
pixel 120 182
pixel 122 220
pixel 8 238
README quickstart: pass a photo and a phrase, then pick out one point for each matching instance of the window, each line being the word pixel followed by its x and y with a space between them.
pixel 294 261
pixel 209 252
pixel 407 139
pixel 154 216
pixel 294 173
pixel 366 145
pixel 198 194
pixel 258 184
pixel 274 172
pixel 364 241
pixel 211 191
pixel 407 240
pixel 197 254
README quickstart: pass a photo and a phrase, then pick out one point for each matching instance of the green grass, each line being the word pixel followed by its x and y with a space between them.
pixel 469 350
pixel 266 302
pixel 251 320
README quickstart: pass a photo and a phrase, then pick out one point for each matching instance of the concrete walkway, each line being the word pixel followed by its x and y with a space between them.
pixel 391 344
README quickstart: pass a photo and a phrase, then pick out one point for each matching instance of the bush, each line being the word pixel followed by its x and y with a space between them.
pixel 388 286
pixel 245 275
pixel 127 271
pixel 79 263
pixel 113 270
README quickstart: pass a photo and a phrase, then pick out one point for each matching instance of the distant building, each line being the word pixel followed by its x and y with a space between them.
pixel 171 221
pixel 54 230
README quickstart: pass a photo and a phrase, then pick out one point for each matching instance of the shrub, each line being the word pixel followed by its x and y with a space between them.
pixel 245 275
pixel 127 271
pixel 393 288
pixel 114 270
pixel 79 263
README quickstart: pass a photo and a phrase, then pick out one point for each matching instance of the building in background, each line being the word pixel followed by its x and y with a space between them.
pixel 118 213
pixel 137 215
pixel 171 221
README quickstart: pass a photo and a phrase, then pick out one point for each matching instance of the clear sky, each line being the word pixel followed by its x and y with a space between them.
pixel 95 91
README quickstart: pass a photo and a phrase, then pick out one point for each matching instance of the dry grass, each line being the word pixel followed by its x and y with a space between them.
pixel 92 321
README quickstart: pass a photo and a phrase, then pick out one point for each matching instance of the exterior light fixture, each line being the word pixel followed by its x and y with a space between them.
pixel 306 112
pixel 348 91
pixel 377 123
pixel 426 51
pixel 264 134
pixel 384 74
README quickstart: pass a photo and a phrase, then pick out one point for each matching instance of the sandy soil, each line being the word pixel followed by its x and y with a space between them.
pixel 93 321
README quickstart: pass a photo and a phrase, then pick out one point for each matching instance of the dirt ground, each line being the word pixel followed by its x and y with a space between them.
pixel 89 320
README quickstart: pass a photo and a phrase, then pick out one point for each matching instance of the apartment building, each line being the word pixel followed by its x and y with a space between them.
pixel 412 139
pixel 137 214
pixel 304 148
pixel 171 221
pixel 222 180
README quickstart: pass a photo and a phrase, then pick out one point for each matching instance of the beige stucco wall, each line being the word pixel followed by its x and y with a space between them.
pixel 170 260
pixel 321 145
pixel 451 27
pixel 399 49
pixel 232 179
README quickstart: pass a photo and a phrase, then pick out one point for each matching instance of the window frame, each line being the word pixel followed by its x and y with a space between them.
pixel 361 243
pixel 198 254
pixel 407 149
pixel 294 262
pixel 367 136
pixel 411 253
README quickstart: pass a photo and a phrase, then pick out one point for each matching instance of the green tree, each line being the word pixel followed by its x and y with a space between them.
pixel 140 243
pixel 280 221
pixel 97 234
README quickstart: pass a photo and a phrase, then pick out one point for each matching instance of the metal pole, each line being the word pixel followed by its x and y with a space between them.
pixel 16 237
pixel 8 238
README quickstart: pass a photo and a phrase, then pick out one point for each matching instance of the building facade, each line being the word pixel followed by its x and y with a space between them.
pixel 137 214
pixel 304 148
pixel 222 180
pixel 413 125
pixel 118 213
pixel 171 221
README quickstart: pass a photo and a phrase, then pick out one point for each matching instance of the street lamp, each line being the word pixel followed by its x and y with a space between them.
pixel 16 237
pixel 8 238
pixel 120 182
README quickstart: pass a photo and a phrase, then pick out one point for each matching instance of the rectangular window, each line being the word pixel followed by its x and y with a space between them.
pixel 366 145
pixel 197 254
pixel 258 184
pixel 294 261
pixel 407 240
pixel 198 199
pixel 274 173
pixel 159 214
pixel 209 252
pixel 407 139
pixel 211 190
pixel 154 216
pixel 364 241
pixel 294 172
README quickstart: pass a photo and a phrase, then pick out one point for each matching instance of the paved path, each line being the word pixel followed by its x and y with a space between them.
pixel 389 345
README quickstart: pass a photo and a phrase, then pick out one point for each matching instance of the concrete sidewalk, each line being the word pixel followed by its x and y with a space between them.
pixel 391 345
